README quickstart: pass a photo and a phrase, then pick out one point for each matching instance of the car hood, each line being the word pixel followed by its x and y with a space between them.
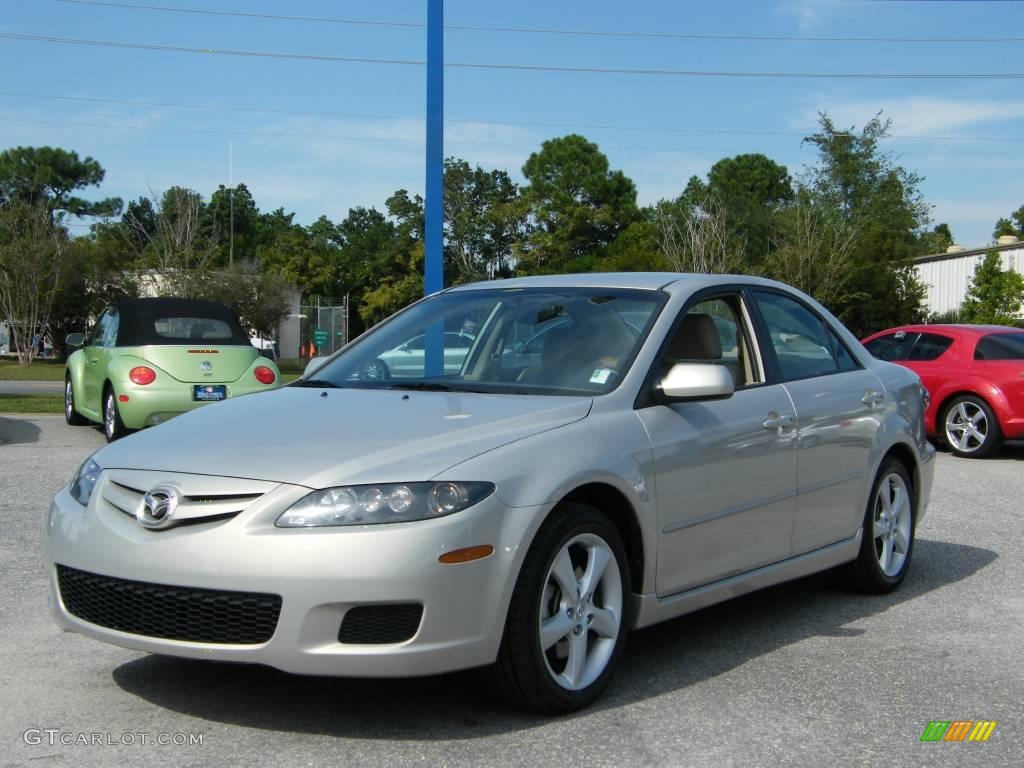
pixel 324 437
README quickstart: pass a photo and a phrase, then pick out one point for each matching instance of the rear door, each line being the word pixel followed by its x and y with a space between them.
pixel 838 414
pixel 999 357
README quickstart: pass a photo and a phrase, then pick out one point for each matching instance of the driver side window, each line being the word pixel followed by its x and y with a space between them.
pixel 100 331
pixel 715 331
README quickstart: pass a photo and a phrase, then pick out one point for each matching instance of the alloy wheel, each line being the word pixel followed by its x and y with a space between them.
pixel 580 611
pixel 967 426
pixel 69 400
pixel 892 520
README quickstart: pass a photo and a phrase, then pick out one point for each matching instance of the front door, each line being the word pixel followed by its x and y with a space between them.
pixel 725 469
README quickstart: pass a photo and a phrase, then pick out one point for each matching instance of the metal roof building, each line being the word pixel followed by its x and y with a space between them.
pixel 947 276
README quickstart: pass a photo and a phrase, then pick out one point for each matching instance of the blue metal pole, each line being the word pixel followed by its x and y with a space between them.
pixel 433 209
pixel 433 268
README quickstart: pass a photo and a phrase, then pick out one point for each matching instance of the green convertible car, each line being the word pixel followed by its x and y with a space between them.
pixel 148 360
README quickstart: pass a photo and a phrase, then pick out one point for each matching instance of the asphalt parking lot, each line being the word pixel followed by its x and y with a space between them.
pixel 802 674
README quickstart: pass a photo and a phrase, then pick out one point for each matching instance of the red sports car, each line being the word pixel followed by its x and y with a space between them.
pixel 975 375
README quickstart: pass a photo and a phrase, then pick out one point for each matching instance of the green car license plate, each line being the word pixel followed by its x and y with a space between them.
pixel 209 392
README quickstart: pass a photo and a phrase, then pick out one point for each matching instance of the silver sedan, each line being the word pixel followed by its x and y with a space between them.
pixel 676 440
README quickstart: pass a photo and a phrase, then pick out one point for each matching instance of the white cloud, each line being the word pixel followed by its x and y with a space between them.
pixel 914 115
pixel 811 14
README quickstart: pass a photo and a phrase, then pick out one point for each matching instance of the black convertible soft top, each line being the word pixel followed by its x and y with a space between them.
pixel 143 321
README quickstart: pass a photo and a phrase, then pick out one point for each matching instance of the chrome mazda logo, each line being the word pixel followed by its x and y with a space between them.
pixel 206 365
pixel 157 507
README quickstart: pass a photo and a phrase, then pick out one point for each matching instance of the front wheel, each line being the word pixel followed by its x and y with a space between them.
pixel 71 416
pixel 970 428
pixel 113 427
pixel 888 534
pixel 567 621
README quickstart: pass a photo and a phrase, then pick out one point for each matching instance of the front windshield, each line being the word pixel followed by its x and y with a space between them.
pixel 565 341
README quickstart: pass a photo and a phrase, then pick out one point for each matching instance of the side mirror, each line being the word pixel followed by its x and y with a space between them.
pixel 313 365
pixel 75 340
pixel 697 381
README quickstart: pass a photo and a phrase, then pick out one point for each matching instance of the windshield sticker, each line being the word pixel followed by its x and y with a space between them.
pixel 600 376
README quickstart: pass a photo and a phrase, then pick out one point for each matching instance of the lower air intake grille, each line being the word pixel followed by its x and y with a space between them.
pixel 377 624
pixel 171 613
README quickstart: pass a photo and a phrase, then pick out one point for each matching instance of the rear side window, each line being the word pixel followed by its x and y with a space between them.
pixel 800 339
pixel 930 346
pixel 892 346
pixel 1000 346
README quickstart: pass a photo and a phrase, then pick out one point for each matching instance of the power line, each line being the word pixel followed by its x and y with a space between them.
pixel 545 30
pixel 396 139
pixel 519 67
pixel 477 121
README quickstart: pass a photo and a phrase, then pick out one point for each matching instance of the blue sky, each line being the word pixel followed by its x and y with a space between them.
pixel 653 125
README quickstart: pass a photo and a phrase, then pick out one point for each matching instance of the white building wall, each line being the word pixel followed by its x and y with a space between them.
pixel 947 280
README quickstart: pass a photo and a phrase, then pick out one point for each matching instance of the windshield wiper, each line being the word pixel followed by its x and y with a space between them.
pixel 432 386
pixel 319 383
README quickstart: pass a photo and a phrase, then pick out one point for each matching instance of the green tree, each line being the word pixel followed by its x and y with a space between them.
pixel 937 240
pixel 232 210
pixel 577 206
pixel 32 249
pixel 995 295
pixel 1014 225
pixel 883 203
pixel 750 189
pixel 50 176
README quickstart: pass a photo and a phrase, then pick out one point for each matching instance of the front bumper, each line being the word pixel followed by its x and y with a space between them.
pixel 320 574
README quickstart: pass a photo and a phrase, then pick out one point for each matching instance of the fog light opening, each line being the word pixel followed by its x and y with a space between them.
pixel 466 555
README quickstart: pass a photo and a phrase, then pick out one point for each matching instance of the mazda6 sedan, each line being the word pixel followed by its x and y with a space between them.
pixel 148 360
pixel 521 514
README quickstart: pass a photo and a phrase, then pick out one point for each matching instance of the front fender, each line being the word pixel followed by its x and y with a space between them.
pixel 535 473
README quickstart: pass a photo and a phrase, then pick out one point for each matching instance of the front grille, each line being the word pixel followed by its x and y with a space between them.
pixel 378 624
pixel 170 613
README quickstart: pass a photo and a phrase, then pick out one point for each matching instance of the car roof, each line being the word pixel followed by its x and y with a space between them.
pixel 963 329
pixel 643 280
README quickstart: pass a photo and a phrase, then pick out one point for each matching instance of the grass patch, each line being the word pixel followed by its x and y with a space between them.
pixel 37 370
pixel 286 377
pixel 31 404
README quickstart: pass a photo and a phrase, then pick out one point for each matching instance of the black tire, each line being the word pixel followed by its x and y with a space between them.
pixel 971 447
pixel 524 673
pixel 866 573
pixel 375 370
pixel 71 416
pixel 113 427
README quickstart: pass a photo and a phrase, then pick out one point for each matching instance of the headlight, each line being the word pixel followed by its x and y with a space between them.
pixel 374 504
pixel 84 481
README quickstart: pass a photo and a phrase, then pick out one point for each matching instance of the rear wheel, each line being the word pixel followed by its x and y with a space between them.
pixel 888 538
pixel 970 428
pixel 113 427
pixel 566 626
pixel 71 416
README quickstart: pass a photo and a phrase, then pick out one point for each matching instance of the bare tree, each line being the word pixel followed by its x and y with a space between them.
pixel 815 251
pixel 181 248
pixel 31 259
pixel 694 237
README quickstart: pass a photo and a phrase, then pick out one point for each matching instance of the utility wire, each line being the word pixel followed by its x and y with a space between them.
pixel 546 30
pixel 419 142
pixel 470 121
pixel 519 67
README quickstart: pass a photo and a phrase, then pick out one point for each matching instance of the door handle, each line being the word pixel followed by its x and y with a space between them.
pixel 872 398
pixel 778 421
